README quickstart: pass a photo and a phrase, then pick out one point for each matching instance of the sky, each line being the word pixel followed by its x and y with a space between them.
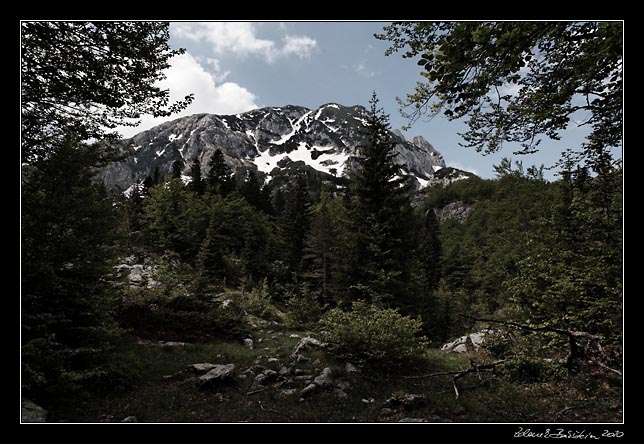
pixel 232 67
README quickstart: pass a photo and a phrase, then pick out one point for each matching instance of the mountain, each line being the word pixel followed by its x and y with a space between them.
pixel 269 140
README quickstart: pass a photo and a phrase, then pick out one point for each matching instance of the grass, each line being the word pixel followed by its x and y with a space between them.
pixel 490 399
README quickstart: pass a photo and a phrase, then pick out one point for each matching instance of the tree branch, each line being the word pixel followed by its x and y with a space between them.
pixel 472 368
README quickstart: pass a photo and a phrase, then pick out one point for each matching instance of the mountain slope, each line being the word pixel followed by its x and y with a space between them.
pixel 265 139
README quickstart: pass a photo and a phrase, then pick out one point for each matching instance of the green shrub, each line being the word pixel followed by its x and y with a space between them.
pixel 524 369
pixel 372 335
pixel 304 310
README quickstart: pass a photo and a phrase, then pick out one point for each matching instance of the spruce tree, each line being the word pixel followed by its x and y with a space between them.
pixel 195 173
pixel 320 248
pixel 251 190
pixel 430 251
pixel 380 212
pixel 68 248
pixel 177 165
pixel 219 178
pixel 295 223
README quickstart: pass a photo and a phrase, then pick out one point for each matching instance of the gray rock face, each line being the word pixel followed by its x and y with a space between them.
pixel 32 412
pixel 467 343
pixel 138 275
pixel 457 211
pixel 260 139
pixel 218 373
pixel 447 175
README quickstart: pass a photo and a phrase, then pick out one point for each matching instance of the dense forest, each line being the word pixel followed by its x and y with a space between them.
pixel 382 274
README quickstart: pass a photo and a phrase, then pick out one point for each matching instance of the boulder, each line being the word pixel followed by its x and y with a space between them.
pixel 306 343
pixel 218 374
pixel 248 343
pixel 32 412
pixel 471 342
pixel 405 400
pixel 413 420
pixel 287 393
pixel 350 368
pixel 201 368
pixel 267 376
pixel 325 379
pixel 284 371
pixel 130 419
pixel 308 390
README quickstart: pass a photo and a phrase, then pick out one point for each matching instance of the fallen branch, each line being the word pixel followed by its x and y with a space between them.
pixel 266 410
pixel 576 350
pixel 257 391
pixel 472 368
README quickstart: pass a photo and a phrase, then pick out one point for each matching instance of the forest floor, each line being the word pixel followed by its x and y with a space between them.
pixel 168 392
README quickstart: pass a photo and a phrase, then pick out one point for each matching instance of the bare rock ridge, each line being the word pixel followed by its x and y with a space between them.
pixel 267 139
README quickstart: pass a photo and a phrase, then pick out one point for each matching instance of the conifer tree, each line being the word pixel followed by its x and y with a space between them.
pixel 219 178
pixel 295 223
pixel 380 212
pixel 176 169
pixel 68 247
pixel 195 173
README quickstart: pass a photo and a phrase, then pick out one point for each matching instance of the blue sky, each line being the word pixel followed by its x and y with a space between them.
pixel 233 67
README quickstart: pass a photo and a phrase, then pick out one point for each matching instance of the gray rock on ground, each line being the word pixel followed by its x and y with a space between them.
pixel 220 372
pixel 467 343
pixel 130 419
pixel 202 367
pixel 305 344
pixel 32 412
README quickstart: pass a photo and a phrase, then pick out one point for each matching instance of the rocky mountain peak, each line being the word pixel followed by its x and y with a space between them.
pixel 268 140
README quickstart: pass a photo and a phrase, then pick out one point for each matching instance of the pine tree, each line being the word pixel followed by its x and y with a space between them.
pixel 295 223
pixel 251 190
pixel 380 212
pixel 430 251
pixel 210 260
pixel 195 172
pixel 68 247
pixel 219 177
pixel 320 248
pixel 177 166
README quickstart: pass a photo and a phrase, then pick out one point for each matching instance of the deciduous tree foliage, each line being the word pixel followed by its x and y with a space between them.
pixel 90 77
pixel 560 71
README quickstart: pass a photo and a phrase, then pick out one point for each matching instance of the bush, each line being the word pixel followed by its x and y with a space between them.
pixel 304 310
pixel 372 335
pixel 523 370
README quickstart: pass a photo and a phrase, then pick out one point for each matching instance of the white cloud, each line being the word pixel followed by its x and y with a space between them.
pixel 240 38
pixel 215 68
pixel 186 75
pixel 361 68
pixel 303 47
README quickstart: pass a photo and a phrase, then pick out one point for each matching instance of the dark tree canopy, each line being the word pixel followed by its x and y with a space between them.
pixel 90 77
pixel 560 71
